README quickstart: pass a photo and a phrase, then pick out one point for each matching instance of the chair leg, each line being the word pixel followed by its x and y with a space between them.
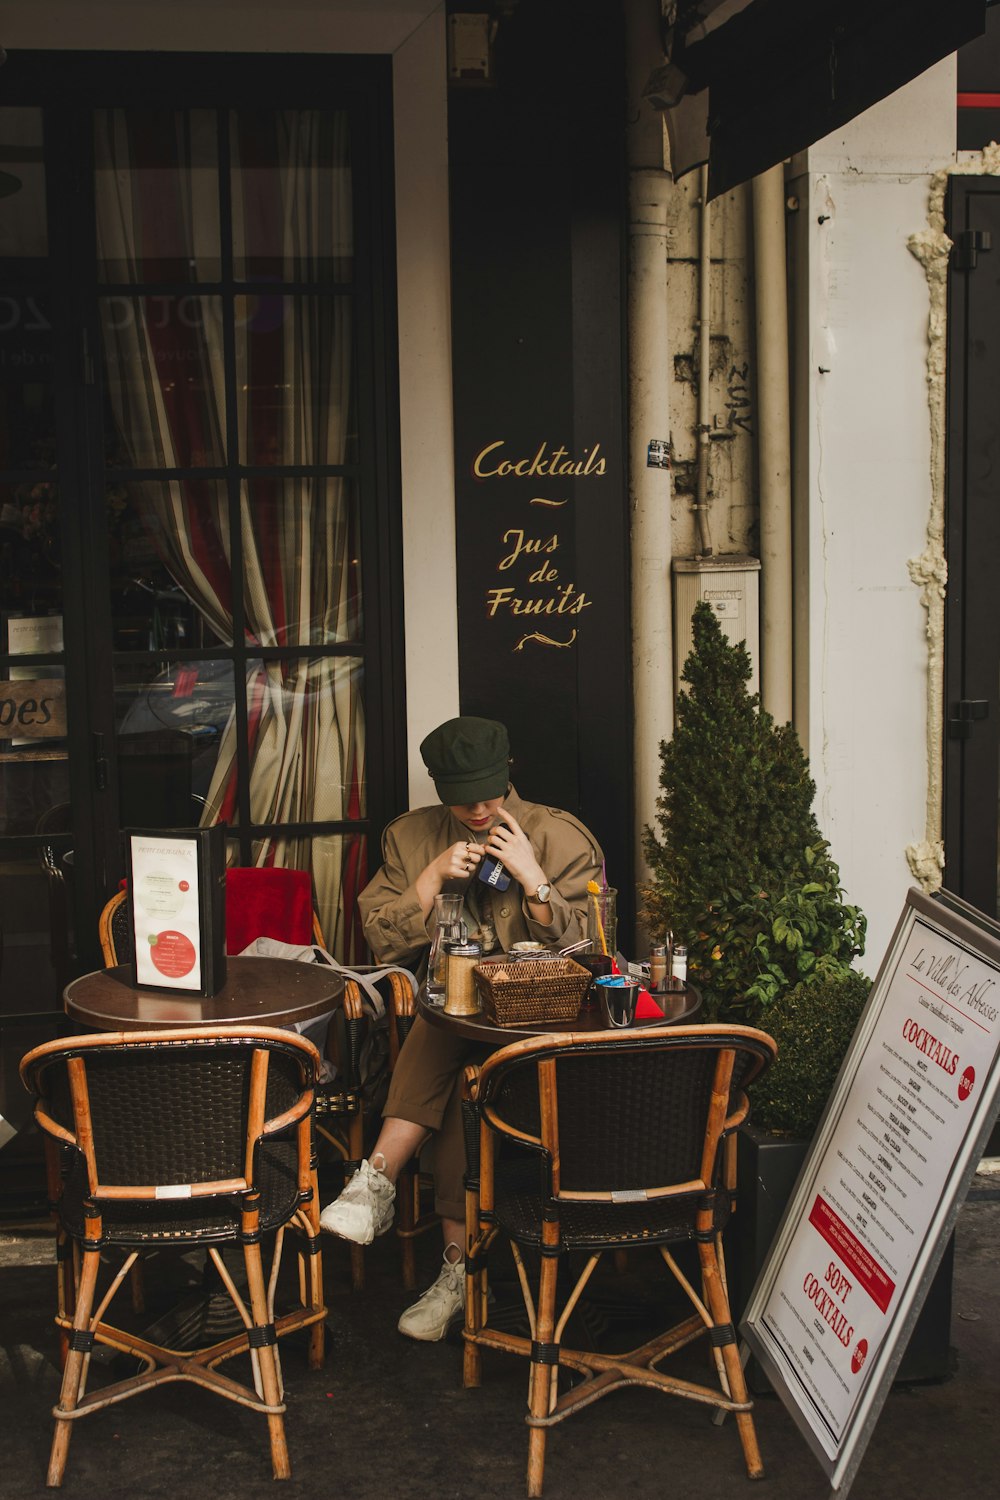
pixel 317 1333
pixel 311 1276
pixel 75 1370
pixel 718 1306
pixel 475 1292
pixel 268 1362
pixel 358 1270
pixel 540 1377
pixel 65 1290
pixel 408 1211
pixel 356 1147
pixel 137 1287
pixel 411 1221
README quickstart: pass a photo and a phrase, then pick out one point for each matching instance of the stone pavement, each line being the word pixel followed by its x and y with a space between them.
pixel 388 1418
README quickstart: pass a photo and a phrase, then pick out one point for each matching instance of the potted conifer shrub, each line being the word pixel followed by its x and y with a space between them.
pixel 741 872
pixel 739 868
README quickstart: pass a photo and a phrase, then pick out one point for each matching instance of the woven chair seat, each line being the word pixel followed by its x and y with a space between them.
pixel 521 1201
pixel 210 1220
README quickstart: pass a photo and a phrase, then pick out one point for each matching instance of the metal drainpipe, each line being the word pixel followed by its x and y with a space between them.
pixel 774 455
pixel 704 367
pixel 649 417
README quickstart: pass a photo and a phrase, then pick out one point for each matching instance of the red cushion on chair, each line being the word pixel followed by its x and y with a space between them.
pixel 272 903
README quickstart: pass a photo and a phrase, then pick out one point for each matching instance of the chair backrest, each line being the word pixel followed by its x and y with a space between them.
pixel 180 1116
pixel 640 1113
pixel 275 903
pixel 114 931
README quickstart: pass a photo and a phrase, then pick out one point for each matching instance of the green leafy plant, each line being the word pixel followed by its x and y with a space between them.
pixel 739 866
pixel 813 1024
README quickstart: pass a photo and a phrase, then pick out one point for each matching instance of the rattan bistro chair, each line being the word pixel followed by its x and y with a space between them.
pixel 342 1110
pixel 603 1141
pixel 195 1137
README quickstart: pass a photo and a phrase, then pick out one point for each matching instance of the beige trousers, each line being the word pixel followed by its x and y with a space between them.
pixel 426 1089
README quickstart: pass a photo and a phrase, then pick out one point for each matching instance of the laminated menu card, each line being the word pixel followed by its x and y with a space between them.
pixel 177 908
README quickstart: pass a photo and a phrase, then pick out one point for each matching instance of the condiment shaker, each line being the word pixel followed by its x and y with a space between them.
pixel 679 967
pixel 460 998
pixel 658 967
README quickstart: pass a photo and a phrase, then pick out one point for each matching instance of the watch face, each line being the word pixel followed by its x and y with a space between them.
pixel 543 892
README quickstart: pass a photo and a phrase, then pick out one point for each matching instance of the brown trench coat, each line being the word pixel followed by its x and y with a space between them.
pixel 425 1086
pixel 394 925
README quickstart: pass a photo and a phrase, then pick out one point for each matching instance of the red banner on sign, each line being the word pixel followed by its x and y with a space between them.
pixel 869 1273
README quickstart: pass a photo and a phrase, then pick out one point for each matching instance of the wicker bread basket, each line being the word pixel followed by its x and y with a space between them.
pixel 544 989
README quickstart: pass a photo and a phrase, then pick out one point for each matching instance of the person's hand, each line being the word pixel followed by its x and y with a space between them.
pixel 458 862
pixel 509 843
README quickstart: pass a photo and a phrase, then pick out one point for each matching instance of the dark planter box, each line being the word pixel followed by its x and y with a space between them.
pixel 767 1168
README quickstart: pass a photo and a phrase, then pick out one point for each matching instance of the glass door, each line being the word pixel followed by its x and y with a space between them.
pixel 36 937
pixel 226 312
pixel 200 493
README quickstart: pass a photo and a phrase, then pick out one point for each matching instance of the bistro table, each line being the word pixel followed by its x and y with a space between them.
pixel 679 1006
pixel 257 991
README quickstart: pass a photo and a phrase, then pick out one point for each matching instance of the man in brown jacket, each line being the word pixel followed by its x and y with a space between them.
pixel 550 857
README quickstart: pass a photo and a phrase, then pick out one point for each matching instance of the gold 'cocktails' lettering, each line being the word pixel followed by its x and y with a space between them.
pixel 488 463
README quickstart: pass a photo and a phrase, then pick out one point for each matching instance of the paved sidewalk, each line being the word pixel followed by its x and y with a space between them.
pixel 387 1419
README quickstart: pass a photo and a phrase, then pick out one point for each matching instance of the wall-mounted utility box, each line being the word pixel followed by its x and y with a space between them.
pixel 731 585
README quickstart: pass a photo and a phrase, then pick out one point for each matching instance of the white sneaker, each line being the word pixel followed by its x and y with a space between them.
pixel 429 1318
pixel 364 1209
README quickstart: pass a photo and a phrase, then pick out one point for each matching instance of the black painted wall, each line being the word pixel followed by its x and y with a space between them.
pixel 538 205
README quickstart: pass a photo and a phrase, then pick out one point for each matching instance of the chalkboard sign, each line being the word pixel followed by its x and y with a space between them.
pixel 541 495
pixel 879 1193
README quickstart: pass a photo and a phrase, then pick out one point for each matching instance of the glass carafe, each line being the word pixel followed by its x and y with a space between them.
pixel 448 927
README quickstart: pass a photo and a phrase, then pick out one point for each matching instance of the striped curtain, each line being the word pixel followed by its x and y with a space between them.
pixel 164 357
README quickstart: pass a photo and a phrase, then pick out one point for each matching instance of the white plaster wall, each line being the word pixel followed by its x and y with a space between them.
pixel 430 581
pixel 413 32
pixel 867 487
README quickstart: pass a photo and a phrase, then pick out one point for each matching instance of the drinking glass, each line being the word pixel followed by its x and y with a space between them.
pixel 602 920
pixel 619 998
pixel 448 928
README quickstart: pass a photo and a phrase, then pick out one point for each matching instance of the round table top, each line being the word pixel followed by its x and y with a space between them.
pixel 257 991
pixel 679 1007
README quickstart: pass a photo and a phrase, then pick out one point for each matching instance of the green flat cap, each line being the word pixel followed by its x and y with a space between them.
pixel 468 759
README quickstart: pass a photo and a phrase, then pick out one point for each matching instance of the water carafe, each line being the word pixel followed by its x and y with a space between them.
pixel 448 927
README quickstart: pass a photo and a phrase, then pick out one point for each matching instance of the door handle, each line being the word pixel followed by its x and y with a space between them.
pixel 964 714
pixel 100 762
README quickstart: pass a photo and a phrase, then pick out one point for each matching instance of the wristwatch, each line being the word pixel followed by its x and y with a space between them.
pixel 543 893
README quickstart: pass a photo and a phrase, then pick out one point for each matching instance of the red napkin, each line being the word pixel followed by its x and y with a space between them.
pixel 647 1009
